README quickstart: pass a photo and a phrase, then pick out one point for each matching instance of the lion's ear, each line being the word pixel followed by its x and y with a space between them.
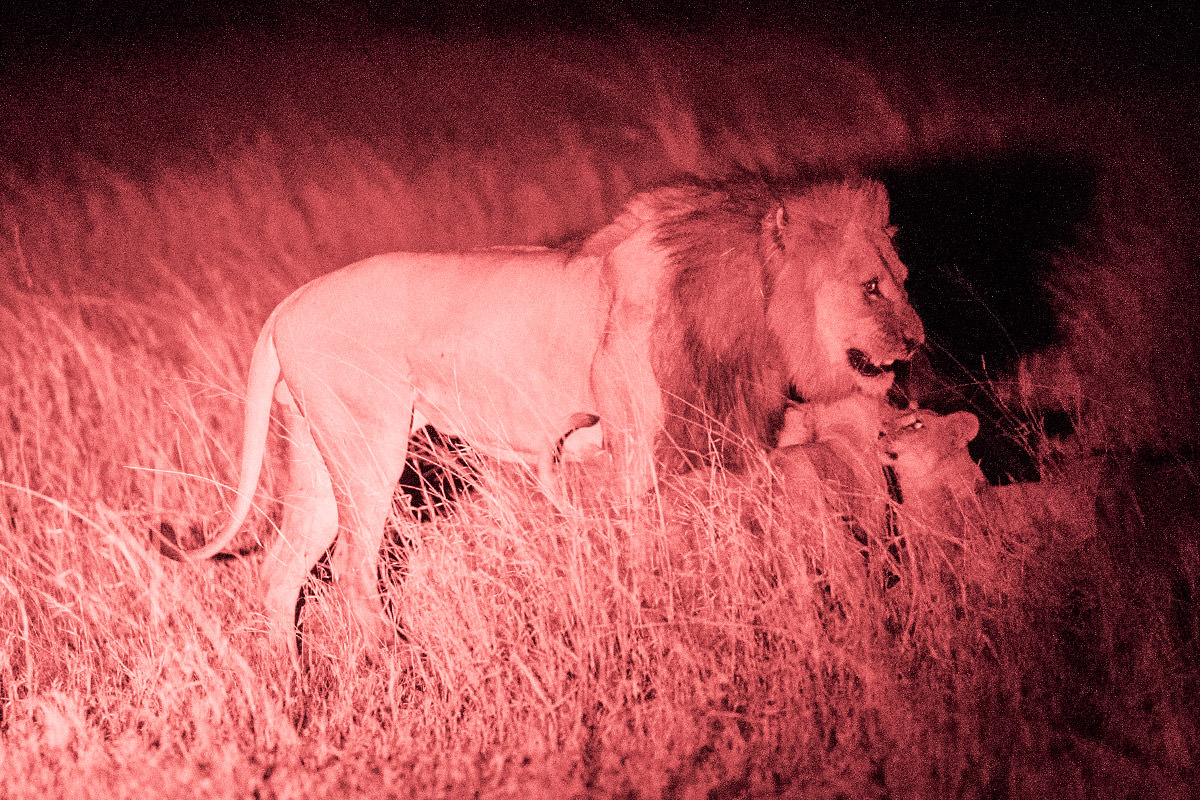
pixel 781 223
pixel 804 228
pixel 964 426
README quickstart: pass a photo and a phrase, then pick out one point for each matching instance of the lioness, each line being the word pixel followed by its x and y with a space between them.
pixel 937 480
pixel 837 445
pixel 941 486
pixel 682 326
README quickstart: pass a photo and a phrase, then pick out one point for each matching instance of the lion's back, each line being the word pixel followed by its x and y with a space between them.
pixel 525 323
pixel 494 293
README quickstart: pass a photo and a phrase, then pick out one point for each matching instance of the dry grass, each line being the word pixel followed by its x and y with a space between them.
pixel 606 653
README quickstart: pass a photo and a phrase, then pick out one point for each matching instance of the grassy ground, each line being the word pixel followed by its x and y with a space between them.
pixel 156 208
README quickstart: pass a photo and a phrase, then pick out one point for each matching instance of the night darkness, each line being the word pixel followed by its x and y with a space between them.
pixel 169 173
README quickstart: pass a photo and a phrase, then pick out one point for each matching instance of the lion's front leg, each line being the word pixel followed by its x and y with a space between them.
pixel 640 473
pixel 631 410
pixel 630 436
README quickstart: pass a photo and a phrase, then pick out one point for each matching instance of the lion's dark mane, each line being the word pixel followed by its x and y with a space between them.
pixel 713 353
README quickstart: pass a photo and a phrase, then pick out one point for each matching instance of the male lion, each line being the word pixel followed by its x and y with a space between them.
pixel 683 326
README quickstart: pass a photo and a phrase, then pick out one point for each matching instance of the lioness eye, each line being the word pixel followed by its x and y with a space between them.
pixel 871 287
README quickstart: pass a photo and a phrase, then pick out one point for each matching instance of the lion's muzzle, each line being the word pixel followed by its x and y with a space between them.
pixel 913 335
pixel 861 363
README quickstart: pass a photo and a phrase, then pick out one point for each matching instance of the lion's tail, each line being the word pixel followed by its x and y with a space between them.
pixel 260 387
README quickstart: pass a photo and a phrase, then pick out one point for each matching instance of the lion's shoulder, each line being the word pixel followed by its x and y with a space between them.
pixel 644 211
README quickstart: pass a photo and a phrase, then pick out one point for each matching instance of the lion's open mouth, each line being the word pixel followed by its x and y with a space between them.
pixel 861 363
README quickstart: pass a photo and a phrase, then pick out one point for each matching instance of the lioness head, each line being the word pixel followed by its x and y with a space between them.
pixel 834 257
pixel 929 453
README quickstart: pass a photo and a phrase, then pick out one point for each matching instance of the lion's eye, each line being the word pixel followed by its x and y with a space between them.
pixel 871 287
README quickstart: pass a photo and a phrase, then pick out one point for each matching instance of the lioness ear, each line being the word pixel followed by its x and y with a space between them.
pixel 964 426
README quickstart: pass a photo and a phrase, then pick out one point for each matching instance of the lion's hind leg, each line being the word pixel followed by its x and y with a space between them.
pixel 308 529
pixel 364 445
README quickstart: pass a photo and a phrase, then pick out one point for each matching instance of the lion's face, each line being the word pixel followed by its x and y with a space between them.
pixel 836 250
pixel 929 451
pixel 864 322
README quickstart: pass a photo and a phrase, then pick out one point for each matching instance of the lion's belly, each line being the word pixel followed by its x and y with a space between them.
pixel 511 414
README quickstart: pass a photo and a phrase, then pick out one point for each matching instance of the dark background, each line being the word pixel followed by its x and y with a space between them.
pixel 1156 37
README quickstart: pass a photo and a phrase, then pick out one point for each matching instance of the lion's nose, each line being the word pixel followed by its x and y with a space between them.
pixel 914 338
pixel 912 345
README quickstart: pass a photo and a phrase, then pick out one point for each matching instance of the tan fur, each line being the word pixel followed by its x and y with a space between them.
pixel 1060 505
pixel 942 485
pixel 697 310
pixel 835 445
pixel 938 480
